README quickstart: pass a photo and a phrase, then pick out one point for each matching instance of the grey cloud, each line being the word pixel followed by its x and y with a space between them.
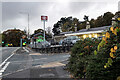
pixel 11 17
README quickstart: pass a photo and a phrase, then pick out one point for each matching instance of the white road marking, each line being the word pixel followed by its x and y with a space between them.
pixel 25 49
pixel 8 57
pixel 3 69
pixel 29 49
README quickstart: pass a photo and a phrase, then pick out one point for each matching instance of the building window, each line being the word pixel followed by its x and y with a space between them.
pixel 84 36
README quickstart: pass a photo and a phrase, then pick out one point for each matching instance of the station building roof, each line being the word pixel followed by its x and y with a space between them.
pixel 86 31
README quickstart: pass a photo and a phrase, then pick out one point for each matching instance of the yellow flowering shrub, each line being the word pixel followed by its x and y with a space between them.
pixel 105 64
pixel 107 35
pixel 112 29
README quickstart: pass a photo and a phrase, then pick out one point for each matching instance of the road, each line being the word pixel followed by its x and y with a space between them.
pixel 25 63
pixel 6 52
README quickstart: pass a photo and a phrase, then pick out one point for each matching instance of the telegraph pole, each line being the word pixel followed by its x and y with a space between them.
pixel 28 25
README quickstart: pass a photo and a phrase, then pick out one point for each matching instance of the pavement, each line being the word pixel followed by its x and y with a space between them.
pixel 29 65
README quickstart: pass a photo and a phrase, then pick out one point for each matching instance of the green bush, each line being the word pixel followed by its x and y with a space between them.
pixel 97 60
pixel 79 56
pixel 106 64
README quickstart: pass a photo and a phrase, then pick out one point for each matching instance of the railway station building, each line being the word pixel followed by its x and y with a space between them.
pixel 84 33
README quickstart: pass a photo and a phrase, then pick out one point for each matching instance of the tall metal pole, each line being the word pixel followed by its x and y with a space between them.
pixel 27 20
pixel 28 25
pixel 44 30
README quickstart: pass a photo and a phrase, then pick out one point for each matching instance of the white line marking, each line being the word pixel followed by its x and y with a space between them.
pixel 3 69
pixel 25 49
pixel 8 57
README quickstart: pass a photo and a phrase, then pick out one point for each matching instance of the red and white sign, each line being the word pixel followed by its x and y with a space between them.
pixel 44 18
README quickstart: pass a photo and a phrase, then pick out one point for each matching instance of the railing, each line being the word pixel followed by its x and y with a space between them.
pixel 54 49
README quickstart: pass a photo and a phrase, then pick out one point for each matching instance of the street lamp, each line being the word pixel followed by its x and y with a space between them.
pixel 27 19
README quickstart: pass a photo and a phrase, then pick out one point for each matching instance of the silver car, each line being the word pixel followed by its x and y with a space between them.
pixel 71 40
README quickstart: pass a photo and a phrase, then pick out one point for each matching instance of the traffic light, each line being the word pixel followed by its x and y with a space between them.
pixel 24 43
pixel 3 42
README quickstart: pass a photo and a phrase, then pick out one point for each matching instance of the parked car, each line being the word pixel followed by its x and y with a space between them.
pixel 60 43
pixel 71 40
pixel 10 45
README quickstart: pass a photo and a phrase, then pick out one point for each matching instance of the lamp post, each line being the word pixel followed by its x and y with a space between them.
pixel 27 20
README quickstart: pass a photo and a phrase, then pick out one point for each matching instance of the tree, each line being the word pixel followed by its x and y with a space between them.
pixel 82 25
pixel 48 30
pixel 66 24
pixel 55 29
pixel 69 23
pixel 92 23
pixel 99 21
pixel 41 33
pixel 107 18
pixel 12 36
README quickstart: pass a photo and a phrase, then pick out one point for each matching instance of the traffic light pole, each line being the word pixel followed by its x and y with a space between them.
pixel 21 42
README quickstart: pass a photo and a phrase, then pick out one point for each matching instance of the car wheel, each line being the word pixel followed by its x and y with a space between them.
pixel 71 44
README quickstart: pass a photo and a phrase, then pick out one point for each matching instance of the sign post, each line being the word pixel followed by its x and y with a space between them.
pixel 44 18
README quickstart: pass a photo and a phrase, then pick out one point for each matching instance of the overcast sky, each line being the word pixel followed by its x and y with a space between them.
pixel 11 18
